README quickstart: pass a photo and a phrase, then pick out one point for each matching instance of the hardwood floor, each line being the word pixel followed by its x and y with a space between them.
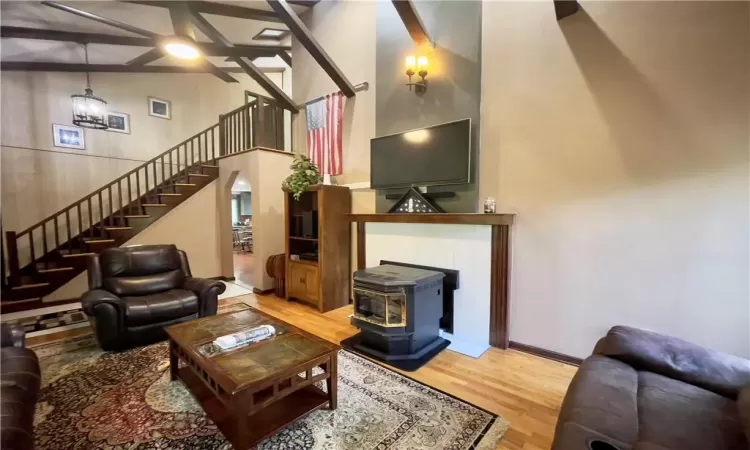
pixel 524 389
pixel 244 265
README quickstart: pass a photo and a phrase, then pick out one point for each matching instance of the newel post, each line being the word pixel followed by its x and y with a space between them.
pixel 14 277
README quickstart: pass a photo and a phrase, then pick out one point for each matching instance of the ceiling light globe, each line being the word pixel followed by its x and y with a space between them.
pixel 182 50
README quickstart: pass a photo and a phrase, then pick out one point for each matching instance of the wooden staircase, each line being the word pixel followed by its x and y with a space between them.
pixel 56 248
pixel 42 258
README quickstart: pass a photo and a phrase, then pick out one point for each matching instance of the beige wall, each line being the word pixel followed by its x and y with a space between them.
pixel 265 171
pixel 193 226
pixel 39 179
pixel 620 136
pixel 346 30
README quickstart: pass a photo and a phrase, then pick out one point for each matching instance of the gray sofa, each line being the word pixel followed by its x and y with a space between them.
pixel 645 391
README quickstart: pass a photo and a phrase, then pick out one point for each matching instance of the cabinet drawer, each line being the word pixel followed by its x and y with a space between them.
pixel 303 281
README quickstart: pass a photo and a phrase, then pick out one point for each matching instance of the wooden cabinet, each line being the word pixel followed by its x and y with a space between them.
pixel 318 247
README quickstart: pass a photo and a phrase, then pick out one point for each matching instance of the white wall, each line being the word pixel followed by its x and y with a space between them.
pixel 39 179
pixel 620 138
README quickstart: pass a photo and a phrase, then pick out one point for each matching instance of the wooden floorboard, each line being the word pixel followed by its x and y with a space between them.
pixel 527 390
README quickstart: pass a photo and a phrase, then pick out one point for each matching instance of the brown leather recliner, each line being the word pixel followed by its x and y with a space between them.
pixel 137 291
pixel 645 391
pixel 19 389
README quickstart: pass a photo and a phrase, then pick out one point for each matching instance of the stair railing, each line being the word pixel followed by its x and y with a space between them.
pixel 108 205
pixel 258 123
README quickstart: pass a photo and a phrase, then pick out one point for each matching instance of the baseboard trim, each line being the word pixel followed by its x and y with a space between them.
pixel 222 278
pixel 544 353
pixel 257 291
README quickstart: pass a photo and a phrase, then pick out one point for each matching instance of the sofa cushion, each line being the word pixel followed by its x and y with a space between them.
pixel 19 389
pixel 680 416
pixel 145 284
pixel 141 270
pixel 161 307
pixel 675 358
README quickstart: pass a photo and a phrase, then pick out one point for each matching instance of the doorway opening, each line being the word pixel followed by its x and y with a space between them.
pixel 242 232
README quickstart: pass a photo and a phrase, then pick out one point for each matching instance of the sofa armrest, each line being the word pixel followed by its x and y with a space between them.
pixel 675 358
pixel 96 297
pixel 11 335
pixel 208 292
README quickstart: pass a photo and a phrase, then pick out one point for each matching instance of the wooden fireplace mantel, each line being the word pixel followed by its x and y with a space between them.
pixel 452 219
pixel 500 257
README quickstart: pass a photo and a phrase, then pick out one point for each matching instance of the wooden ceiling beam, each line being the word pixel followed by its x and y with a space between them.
pixel 100 19
pixel 414 25
pixel 210 49
pixel 305 37
pixel 150 56
pixel 286 57
pixel 218 9
pixel 565 8
pixel 254 72
pixel 113 68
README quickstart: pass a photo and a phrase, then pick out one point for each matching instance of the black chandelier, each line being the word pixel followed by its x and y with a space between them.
pixel 89 111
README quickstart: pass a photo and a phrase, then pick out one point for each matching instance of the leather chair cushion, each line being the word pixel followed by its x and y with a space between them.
pixel 139 260
pixel 743 408
pixel 145 284
pixel 161 307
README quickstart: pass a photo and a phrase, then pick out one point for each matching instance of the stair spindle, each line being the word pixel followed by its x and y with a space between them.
pixel 101 215
pixel 156 182
pixel 67 225
pixel 31 246
pixel 138 189
pixel 14 269
pixel 171 167
pixel 119 202
pixel 111 205
pixel 91 218
pixel 162 169
pixel 57 233
pixel 213 150
pixel 80 223
pixel 44 246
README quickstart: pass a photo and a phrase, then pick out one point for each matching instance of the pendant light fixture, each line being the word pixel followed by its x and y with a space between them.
pixel 89 111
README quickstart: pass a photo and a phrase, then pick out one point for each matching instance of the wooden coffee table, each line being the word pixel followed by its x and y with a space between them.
pixel 254 391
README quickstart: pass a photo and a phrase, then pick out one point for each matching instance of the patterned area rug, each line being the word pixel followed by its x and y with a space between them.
pixel 95 399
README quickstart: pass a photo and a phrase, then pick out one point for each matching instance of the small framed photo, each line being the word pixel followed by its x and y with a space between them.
pixel 118 122
pixel 67 136
pixel 159 108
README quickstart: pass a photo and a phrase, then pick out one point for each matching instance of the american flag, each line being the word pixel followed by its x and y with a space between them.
pixel 324 135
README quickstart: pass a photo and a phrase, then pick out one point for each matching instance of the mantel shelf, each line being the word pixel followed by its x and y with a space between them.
pixel 460 219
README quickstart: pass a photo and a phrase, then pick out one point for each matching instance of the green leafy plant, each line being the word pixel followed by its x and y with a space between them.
pixel 305 173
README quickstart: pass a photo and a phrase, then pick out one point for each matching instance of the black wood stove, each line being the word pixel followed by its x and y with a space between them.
pixel 398 311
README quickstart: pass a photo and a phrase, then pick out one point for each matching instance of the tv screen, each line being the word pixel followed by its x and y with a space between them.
pixel 425 157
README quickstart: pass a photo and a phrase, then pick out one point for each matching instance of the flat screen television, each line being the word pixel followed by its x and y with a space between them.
pixel 430 156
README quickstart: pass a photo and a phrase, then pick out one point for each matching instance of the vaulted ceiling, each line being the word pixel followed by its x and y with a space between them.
pixel 35 15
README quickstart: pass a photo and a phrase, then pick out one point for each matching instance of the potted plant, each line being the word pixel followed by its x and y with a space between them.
pixel 304 174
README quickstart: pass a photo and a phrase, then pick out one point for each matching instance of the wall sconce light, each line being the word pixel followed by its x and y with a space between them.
pixel 419 64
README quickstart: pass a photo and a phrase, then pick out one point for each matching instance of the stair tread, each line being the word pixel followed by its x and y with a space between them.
pixel 185 184
pixel 154 204
pixel 29 286
pixel 97 240
pixel 138 216
pixel 198 175
pixel 171 195
pixel 209 165
pixel 66 254
pixel 54 269
pixel 117 228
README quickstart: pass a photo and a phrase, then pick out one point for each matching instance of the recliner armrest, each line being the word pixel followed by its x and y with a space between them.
pixel 96 297
pixel 208 292
pixel 675 358
pixel 11 335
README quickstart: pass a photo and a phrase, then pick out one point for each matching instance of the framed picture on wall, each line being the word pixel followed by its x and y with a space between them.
pixel 67 136
pixel 159 108
pixel 118 122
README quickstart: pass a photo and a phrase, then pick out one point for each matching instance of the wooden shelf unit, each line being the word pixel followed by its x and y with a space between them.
pixel 324 283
